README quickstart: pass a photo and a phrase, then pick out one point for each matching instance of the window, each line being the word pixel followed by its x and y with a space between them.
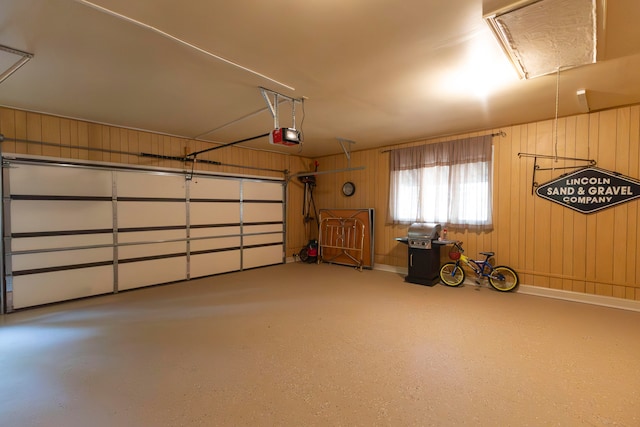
pixel 448 183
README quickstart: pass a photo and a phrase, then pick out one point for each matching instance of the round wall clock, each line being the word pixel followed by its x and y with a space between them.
pixel 348 188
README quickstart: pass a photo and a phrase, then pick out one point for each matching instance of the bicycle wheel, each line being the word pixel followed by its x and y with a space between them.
pixel 503 279
pixel 452 274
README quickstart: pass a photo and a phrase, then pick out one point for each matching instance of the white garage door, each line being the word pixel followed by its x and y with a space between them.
pixel 73 231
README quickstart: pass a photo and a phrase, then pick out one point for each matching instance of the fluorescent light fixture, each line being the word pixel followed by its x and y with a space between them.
pixel 543 36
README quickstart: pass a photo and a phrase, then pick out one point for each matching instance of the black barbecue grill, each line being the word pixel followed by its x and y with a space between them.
pixel 424 253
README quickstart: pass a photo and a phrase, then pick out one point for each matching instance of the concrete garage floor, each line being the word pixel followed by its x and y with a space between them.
pixel 318 345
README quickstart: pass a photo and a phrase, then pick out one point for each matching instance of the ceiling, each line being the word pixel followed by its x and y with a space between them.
pixel 377 72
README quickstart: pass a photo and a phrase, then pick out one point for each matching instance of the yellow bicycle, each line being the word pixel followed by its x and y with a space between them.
pixel 501 278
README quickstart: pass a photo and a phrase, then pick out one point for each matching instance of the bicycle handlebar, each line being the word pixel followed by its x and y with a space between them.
pixel 458 244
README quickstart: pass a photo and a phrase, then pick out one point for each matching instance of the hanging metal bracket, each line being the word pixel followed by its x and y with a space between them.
pixel 536 166
pixel 273 106
pixel 24 58
pixel 346 148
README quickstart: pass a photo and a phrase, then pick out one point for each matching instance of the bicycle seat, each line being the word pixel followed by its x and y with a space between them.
pixel 488 253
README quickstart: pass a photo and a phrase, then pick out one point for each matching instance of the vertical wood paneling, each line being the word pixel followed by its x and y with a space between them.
pixel 34 133
pixel 525 164
pixel 20 121
pixel 579 254
pixel 529 213
pixel 74 139
pixel 502 187
pixel 65 138
pixel 8 129
pixel 115 141
pixel 21 131
pixel 568 215
pixel 144 146
pixel 165 144
pixel 94 133
pixel 390 251
pixel 156 147
pixel 592 220
pixel 83 140
pixel 621 213
pixel 105 155
pixel 605 226
pixel 51 135
pixel 542 209
pixel 556 234
pixel 515 196
pixel 133 143
pixel 633 243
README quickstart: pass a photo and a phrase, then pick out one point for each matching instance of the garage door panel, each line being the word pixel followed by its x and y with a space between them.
pixel 151 250
pixel 262 212
pixel 151 272
pixel 259 190
pixel 30 216
pixel 261 239
pixel 215 188
pixel 215 243
pixel 266 228
pixel 60 241
pixel 60 258
pixel 215 231
pixel 151 214
pixel 67 222
pixel 215 263
pixel 261 256
pixel 55 180
pixel 37 289
pixel 150 185
pixel 151 236
pixel 214 213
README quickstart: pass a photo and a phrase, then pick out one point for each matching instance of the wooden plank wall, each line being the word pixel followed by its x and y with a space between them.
pixel 74 139
pixel 549 245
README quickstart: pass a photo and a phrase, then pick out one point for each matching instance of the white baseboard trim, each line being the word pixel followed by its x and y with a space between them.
pixel 605 301
pixel 620 303
pixel 390 268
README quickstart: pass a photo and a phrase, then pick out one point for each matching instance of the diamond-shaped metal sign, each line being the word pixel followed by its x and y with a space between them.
pixel 590 189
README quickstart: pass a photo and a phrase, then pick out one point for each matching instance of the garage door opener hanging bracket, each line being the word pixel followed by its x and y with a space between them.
pixel 346 148
pixel 24 58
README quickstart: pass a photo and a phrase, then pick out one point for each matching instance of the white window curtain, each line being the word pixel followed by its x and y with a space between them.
pixel 447 182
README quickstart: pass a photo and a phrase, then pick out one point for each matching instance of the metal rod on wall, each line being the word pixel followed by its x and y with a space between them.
pixel 546 156
pixel 501 133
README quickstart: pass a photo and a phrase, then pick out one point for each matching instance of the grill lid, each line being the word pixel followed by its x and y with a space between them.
pixel 424 231
pixel 421 234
